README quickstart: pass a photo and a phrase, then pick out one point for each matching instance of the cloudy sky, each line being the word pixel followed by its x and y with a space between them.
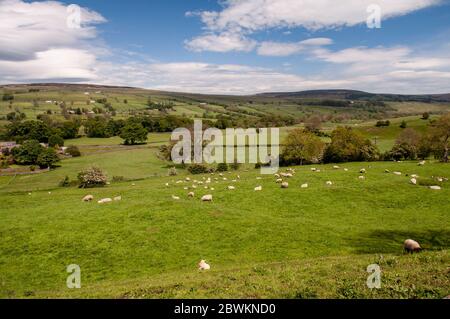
pixel 229 46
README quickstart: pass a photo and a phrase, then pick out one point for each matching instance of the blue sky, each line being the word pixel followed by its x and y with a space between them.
pixel 235 47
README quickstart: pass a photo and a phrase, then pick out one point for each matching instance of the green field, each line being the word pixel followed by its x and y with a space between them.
pixel 274 243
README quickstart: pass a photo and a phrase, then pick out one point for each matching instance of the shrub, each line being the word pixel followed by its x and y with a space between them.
pixel 27 153
pixel 55 140
pixel 73 151
pixel 172 171
pixel 222 167
pixel 425 116
pixel 65 182
pixel 196 169
pixel 32 168
pixel 383 123
pixel 301 146
pixel 235 166
pixel 404 124
pixel 47 158
pixel 92 177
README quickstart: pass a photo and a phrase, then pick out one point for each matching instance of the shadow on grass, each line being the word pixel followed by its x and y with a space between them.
pixel 387 241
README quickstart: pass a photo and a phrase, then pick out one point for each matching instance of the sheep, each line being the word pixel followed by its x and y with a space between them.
pixel 194 186
pixel 345 169
pixel 413 181
pixel 259 178
pixel 202 265
pixel 363 171
pixel 118 198
pixel 175 197
pixel 398 173
pixel 305 186
pixel 105 200
pixel 212 188
pixel 436 188
pixel 362 177
pixel 167 184
pixel 411 246
pixel 191 195
pixel 422 163
pixel 277 175
pixel 207 198
pixel 231 188
pixel 329 183
pixel 185 188
pixel 258 189
pixel 336 167
pixel 88 198
pixel 188 179
pixel 313 169
pixel 285 185
pixel 387 171
pixel 279 181
pixel 414 176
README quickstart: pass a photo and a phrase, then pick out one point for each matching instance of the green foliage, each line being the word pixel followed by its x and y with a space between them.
pixel 73 151
pixel 348 145
pixel 301 147
pixel 383 123
pixel 426 116
pixel 96 127
pixel 65 182
pixel 27 153
pixel 235 166
pixel 133 133
pixel 55 140
pixel 7 97
pixel 47 158
pixel 29 130
pixel 196 169
pixel 92 177
pixel 404 124
pixel 222 167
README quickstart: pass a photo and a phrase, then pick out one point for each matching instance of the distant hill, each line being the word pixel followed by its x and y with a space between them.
pixel 357 95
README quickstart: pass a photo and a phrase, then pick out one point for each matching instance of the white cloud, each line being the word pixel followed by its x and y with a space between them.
pixel 37 43
pixel 254 15
pixel 268 48
pixel 223 42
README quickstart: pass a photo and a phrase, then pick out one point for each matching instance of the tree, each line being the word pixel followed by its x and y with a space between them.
pixel 133 133
pixel 348 145
pixel 55 140
pixel 302 146
pixel 404 124
pixel 47 158
pixel 92 177
pixel 440 137
pixel 73 151
pixel 28 153
pixel 425 116
pixel 314 124
pixel 7 97
pixel 96 127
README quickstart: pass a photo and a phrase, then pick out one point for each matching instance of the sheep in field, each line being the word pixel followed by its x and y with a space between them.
pixel 191 195
pixel 231 188
pixel 285 185
pixel 329 183
pixel 258 189
pixel 175 197
pixel 411 246
pixel 88 198
pixel 202 265
pixel 105 200
pixel 118 198
pixel 413 181
pixel 362 178
pixel 207 198
pixel 305 186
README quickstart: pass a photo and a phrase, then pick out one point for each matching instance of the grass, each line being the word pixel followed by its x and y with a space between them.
pixel 274 243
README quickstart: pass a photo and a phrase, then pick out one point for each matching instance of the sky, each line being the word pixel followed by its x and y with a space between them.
pixel 230 46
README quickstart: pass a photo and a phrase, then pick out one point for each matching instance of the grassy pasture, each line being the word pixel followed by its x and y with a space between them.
pixel 274 243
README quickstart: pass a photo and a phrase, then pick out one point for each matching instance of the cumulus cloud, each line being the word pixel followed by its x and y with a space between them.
pixel 223 42
pixel 268 48
pixel 37 41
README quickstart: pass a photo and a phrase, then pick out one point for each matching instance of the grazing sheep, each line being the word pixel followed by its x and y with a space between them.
pixel 167 184
pixel 285 185
pixel 329 183
pixel 440 180
pixel 436 188
pixel 207 198
pixel 387 171
pixel 415 176
pixel 133 184
pixel 179 182
pixel 363 171
pixel 194 186
pixel 345 169
pixel 185 188
pixel 313 169
pixel 231 188
pixel 336 167
pixel 105 200
pixel 305 186
pixel 88 198
pixel 422 163
pixel 188 179
pixel 191 195
pixel 259 178
pixel 118 198
pixel 258 189
pixel 398 173
pixel 279 181
pixel 362 177
pixel 411 246
pixel 212 188
pixel 413 181
pixel 175 197
pixel 225 179
pixel 277 175
pixel 202 265
pixel 238 177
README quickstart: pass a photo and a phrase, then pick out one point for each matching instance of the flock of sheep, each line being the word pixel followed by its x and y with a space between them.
pixel 410 245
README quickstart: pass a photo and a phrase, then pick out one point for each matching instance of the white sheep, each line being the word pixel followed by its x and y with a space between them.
pixel 285 185
pixel 231 188
pixel 191 195
pixel 279 181
pixel 436 188
pixel 413 181
pixel 118 198
pixel 305 186
pixel 207 198
pixel 329 183
pixel 105 200
pixel 175 197
pixel 258 188
pixel 88 198
pixel 202 265
pixel 412 246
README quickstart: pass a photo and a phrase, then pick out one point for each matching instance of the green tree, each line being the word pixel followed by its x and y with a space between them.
pixel 47 158
pixel 27 153
pixel 55 140
pixel 133 133
pixel 302 146
pixel 440 137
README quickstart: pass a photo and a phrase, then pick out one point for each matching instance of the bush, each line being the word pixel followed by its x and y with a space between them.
pixel 404 124
pixel 92 177
pixel 73 151
pixel 383 123
pixel 47 158
pixel 55 140
pixel 172 171
pixel 27 153
pixel 196 169
pixel 235 166
pixel 32 168
pixel 65 182
pixel 222 167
